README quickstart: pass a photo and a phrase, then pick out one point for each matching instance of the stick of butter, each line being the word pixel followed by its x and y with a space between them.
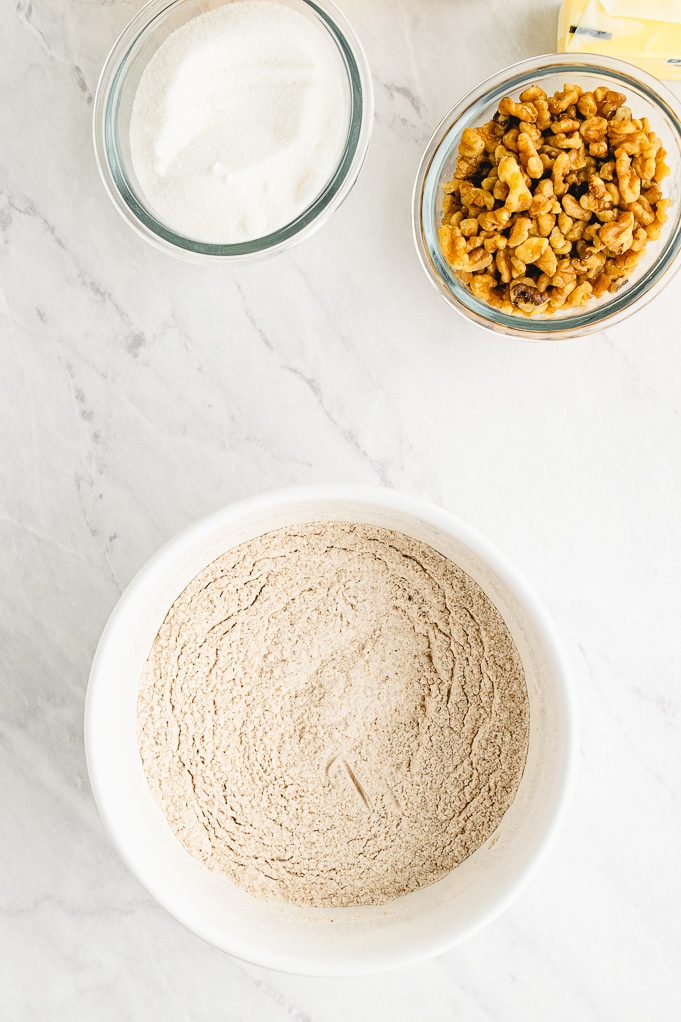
pixel 644 32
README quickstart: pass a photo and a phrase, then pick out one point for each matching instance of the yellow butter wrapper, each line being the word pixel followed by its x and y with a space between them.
pixel 646 33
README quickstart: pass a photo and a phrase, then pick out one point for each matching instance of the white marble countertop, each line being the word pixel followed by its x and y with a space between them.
pixel 139 393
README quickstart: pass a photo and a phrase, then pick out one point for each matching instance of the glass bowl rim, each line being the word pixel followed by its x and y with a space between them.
pixel 440 146
pixel 135 212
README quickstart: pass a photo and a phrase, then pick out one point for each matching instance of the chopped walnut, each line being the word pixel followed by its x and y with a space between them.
pixel 554 200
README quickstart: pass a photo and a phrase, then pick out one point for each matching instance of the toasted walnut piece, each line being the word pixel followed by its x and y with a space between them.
pixel 543 121
pixel 590 264
pixel 559 243
pixel 593 237
pixel 519 195
pixel 482 285
pixel 576 232
pixel 547 261
pixel 594 129
pixel 595 205
pixel 586 104
pixel 520 231
pixel 634 144
pixel 490 133
pixel 560 102
pixel 524 111
pixel 581 295
pixel 618 235
pixel 615 271
pixel 600 285
pixel 598 149
pixel 561 141
pixel 598 189
pixel 661 168
pixel 525 128
pixel 628 181
pixel 495 242
pixel 610 102
pixel 565 126
pixel 518 267
pixel 503 265
pixel 500 191
pixel 478 259
pixel 580 160
pixel 497 220
pixel 532 93
pixel 447 205
pixel 537 97
pixel 545 224
pixel 500 152
pixel 640 239
pixel 472 143
pixel 469 227
pixel 560 169
pixel 453 246
pixel 532 250
pixel 641 209
pixel 510 139
pixel 529 157
pixel 565 274
pixel 618 131
pixel 628 260
pixel 540 204
pixel 526 296
pixel 573 208
pixel 644 165
pixel 472 196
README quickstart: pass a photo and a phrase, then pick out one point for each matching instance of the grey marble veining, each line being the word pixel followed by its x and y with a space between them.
pixel 139 393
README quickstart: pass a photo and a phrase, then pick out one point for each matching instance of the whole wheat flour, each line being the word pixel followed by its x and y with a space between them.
pixel 333 714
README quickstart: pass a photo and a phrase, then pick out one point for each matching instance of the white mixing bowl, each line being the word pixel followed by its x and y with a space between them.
pixel 339 941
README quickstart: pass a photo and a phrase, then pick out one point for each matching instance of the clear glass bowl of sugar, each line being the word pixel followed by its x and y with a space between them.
pixel 232 129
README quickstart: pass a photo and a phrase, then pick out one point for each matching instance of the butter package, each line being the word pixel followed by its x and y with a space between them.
pixel 644 32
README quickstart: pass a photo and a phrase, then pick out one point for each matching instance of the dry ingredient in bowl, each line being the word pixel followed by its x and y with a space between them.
pixel 239 121
pixel 332 715
pixel 553 202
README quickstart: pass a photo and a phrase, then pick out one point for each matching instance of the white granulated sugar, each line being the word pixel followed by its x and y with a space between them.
pixel 333 714
pixel 239 121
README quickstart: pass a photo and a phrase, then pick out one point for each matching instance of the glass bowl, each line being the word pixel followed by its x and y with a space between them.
pixel 113 108
pixel 646 97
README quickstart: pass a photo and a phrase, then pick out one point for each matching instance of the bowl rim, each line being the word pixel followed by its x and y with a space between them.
pixel 132 207
pixel 384 499
pixel 595 318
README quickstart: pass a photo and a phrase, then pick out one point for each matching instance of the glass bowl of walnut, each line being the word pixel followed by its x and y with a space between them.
pixel 547 204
